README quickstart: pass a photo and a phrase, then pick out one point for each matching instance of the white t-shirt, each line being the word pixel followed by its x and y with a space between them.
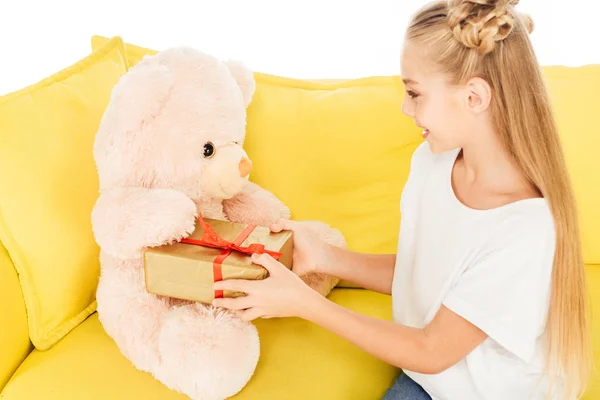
pixel 492 267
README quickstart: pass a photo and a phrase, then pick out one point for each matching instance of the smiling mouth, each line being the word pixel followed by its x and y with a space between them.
pixel 425 133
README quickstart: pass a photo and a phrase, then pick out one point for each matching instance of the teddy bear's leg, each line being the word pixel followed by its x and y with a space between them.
pixel 207 353
pixel 129 314
pixel 323 283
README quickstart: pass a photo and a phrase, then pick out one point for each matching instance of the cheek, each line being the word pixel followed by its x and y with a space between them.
pixel 455 110
pixel 430 115
pixel 450 116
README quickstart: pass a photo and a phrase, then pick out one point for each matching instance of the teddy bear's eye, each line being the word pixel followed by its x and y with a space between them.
pixel 209 150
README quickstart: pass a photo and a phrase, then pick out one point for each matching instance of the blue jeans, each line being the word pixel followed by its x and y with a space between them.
pixel 405 388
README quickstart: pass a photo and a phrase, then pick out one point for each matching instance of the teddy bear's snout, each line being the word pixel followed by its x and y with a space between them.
pixel 245 167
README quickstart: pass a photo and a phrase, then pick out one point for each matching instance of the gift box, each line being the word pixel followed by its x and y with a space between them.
pixel 216 250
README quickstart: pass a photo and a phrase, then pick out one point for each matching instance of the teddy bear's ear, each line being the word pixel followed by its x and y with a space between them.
pixel 140 94
pixel 244 78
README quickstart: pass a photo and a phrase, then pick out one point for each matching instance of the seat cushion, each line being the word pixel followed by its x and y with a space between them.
pixel 48 186
pixel 299 360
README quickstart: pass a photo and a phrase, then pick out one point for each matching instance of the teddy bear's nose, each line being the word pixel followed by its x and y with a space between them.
pixel 245 167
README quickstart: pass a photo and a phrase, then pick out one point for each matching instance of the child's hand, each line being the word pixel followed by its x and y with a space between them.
pixel 281 294
pixel 311 254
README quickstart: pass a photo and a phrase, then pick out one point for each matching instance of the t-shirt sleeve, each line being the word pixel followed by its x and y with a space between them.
pixel 505 290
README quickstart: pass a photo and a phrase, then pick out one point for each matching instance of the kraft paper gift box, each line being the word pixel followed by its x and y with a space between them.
pixel 216 250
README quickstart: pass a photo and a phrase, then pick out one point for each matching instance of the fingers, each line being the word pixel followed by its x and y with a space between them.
pixel 233 303
pixel 243 307
pixel 283 225
pixel 268 262
pixel 251 314
pixel 235 285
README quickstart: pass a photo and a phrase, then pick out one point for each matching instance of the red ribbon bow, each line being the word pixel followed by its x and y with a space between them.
pixel 210 238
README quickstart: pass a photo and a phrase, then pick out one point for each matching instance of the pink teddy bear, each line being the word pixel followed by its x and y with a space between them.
pixel 170 146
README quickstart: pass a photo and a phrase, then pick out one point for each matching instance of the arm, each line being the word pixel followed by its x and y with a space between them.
pixel 370 271
pixel 255 205
pixel 127 219
pixel 431 350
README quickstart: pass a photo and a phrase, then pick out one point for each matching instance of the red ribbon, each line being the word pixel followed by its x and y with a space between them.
pixel 210 238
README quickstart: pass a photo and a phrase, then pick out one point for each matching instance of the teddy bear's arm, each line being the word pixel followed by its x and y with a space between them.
pixel 126 220
pixel 255 205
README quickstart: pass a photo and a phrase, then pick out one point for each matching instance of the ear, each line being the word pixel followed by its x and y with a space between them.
pixel 479 95
pixel 139 95
pixel 244 78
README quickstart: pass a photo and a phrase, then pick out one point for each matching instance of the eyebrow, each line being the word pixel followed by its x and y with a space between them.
pixel 410 81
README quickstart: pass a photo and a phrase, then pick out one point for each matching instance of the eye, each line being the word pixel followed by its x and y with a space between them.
pixel 209 150
pixel 412 94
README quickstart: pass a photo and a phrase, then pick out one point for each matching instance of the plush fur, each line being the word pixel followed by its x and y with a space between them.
pixel 155 179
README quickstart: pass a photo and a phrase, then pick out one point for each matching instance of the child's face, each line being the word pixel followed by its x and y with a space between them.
pixel 434 104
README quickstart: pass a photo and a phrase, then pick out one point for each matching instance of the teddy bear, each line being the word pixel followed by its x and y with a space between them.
pixel 169 147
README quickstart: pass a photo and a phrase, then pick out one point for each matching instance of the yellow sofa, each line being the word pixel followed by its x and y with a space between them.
pixel 337 151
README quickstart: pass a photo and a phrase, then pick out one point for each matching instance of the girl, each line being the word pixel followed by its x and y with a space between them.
pixel 488 284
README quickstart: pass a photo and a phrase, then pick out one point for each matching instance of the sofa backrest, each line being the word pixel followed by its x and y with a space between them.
pixel 342 148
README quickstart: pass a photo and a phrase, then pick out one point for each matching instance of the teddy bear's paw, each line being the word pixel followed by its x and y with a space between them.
pixel 125 220
pixel 320 283
pixel 207 353
pixel 255 205
pixel 325 232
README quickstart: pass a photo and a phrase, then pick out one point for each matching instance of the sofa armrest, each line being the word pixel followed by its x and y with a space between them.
pixel 593 276
pixel 14 335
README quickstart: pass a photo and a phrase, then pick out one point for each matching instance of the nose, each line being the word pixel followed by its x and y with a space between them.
pixel 245 166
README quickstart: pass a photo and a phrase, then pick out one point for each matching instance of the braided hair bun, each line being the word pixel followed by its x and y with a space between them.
pixel 479 24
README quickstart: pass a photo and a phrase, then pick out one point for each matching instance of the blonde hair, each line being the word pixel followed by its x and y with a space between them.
pixel 490 40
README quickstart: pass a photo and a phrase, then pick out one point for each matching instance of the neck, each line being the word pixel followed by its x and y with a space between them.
pixel 486 163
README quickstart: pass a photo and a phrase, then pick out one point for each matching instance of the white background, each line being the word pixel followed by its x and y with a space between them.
pixel 295 38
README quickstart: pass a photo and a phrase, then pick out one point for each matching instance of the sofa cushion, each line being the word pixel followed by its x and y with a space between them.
pixel 134 52
pixel 14 337
pixel 337 151
pixel 298 360
pixel 48 186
